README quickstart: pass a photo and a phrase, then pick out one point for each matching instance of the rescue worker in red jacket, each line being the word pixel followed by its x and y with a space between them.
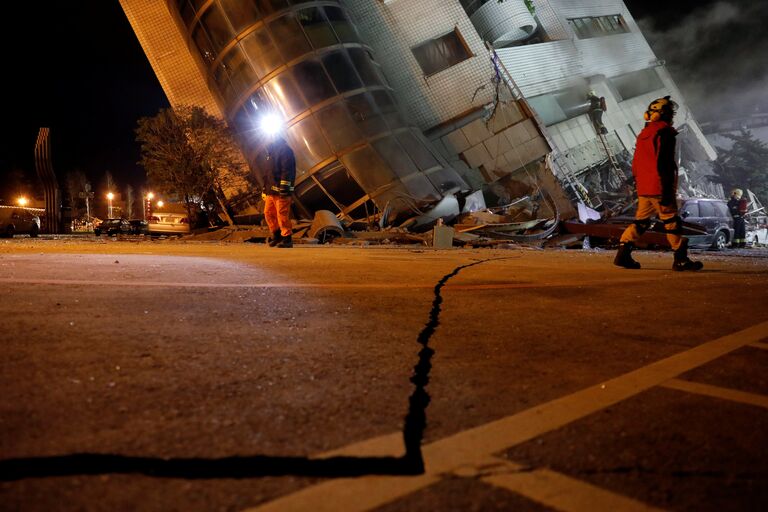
pixel 279 175
pixel 655 174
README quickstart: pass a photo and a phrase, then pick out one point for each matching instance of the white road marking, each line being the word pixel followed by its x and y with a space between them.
pixel 560 491
pixel 733 395
pixel 472 447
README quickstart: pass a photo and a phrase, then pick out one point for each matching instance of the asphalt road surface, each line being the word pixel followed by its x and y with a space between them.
pixel 157 375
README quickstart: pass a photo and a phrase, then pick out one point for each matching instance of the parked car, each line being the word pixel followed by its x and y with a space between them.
pixel 112 227
pixel 139 227
pixel 168 224
pixel 15 220
pixel 713 214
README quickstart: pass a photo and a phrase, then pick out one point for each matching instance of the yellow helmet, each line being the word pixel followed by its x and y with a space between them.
pixel 661 108
pixel 737 192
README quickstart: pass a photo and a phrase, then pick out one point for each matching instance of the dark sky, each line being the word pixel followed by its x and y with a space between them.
pixel 77 68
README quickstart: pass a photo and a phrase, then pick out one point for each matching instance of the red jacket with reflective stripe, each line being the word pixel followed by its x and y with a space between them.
pixel 654 164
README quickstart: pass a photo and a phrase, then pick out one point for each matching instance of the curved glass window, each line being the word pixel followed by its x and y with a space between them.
pixel 283 94
pixel 308 143
pixel 217 27
pixel 418 151
pixel 240 14
pixel 395 156
pixel 341 24
pixel 310 194
pixel 364 113
pixel 368 168
pixel 314 82
pixel 365 67
pixel 198 4
pixel 339 127
pixel 342 72
pixel 268 7
pixel 187 13
pixel 317 28
pixel 241 74
pixel 261 52
pixel 204 45
pixel 339 184
pixel 289 37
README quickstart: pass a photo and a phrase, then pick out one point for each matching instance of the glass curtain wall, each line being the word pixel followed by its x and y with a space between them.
pixel 307 62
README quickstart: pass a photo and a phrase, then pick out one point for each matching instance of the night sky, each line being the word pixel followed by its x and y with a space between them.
pixel 77 68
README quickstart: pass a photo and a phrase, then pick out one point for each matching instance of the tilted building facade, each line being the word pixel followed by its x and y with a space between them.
pixel 396 104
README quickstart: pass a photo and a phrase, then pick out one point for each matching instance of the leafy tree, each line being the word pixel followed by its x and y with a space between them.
pixel 192 154
pixel 75 187
pixel 744 166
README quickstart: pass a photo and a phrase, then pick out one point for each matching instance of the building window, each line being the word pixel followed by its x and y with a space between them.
pixel 441 53
pixel 598 26
pixel 631 85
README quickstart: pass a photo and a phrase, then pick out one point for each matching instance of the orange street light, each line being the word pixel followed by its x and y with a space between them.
pixel 160 204
pixel 110 196
pixel 22 201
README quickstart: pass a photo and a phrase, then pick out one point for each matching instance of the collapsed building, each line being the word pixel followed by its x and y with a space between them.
pixel 413 110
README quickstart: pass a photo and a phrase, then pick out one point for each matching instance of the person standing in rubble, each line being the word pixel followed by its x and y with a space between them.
pixel 655 172
pixel 737 206
pixel 279 175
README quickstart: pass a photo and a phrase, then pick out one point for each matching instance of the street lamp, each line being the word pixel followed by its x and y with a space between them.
pixel 110 196
pixel 22 201
pixel 148 206
pixel 160 204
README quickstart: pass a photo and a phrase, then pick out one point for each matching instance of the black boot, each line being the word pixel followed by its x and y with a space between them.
pixel 681 259
pixel 275 239
pixel 624 256
pixel 286 242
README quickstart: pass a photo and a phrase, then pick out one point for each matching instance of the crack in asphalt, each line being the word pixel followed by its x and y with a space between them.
pixel 416 419
pixel 412 463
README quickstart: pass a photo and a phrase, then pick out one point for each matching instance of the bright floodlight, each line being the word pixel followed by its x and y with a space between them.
pixel 22 201
pixel 160 204
pixel 150 196
pixel 271 124
pixel 110 196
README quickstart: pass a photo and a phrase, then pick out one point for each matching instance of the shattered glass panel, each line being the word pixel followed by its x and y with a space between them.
pixel 441 53
pixel 204 45
pixel 261 51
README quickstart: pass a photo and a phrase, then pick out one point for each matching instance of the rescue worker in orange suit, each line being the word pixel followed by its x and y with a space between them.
pixel 737 206
pixel 655 173
pixel 279 175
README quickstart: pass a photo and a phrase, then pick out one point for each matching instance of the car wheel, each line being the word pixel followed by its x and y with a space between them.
pixel 34 231
pixel 9 231
pixel 720 241
pixel 97 232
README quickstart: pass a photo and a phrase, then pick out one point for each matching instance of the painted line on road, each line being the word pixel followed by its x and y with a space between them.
pixel 351 286
pixel 559 491
pixel 472 447
pixel 732 395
